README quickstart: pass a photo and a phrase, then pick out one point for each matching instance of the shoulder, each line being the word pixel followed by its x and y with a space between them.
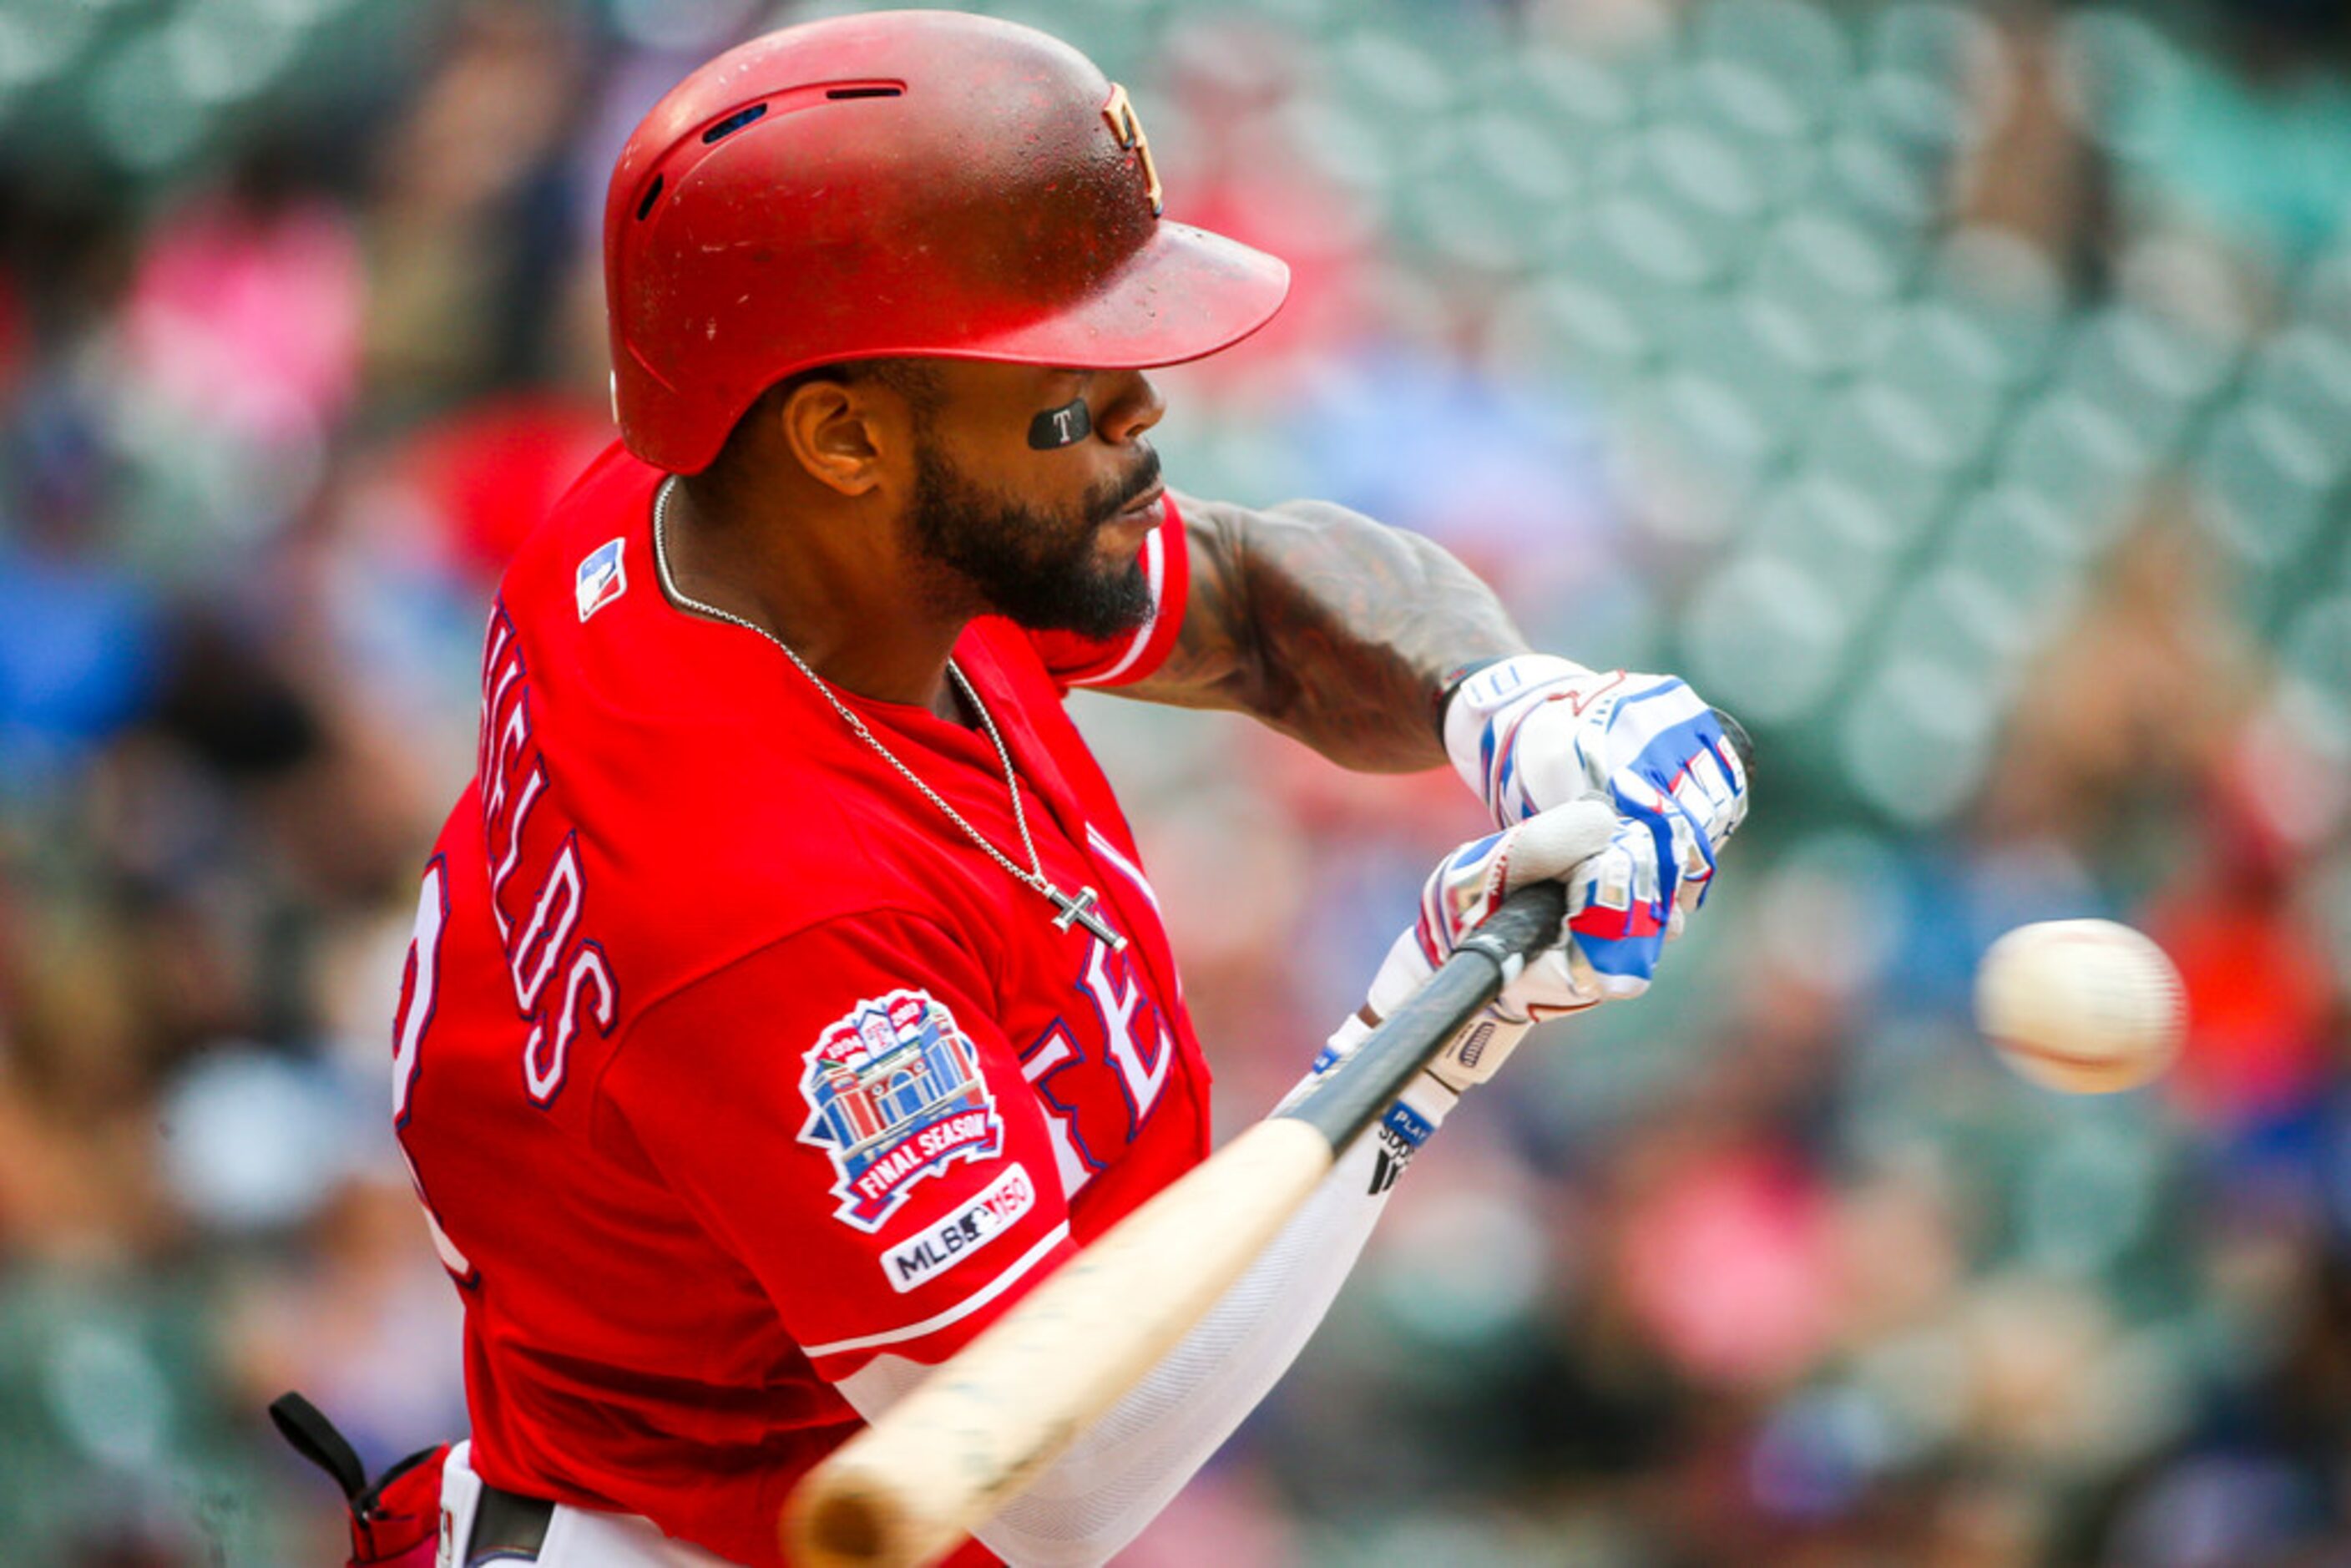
pixel 796 982
pixel 709 855
pixel 576 559
pixel 871 948
pixel 701 788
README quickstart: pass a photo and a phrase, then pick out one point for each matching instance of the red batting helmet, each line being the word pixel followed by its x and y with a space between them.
pixel 904 182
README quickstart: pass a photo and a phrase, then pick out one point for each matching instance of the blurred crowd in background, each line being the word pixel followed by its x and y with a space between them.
pixel 1960 394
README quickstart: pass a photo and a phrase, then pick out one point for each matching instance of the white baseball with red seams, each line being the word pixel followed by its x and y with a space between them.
pixel 2086 1007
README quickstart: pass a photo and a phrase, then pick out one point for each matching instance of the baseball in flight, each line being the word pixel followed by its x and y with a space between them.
pixel 2086 1007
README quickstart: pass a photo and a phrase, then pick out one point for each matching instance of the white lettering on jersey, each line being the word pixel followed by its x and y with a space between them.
pixel 494 644
pixel 1109 854
pixel 1107 850
pixel 420 983
pixel 554 938
pixel 1054 1049
pixel 510 738
pixel 420 987
pixel 547 932
pixel 532 787
pixel 543 1076
pixel 1125 1012
pixel 1089 1126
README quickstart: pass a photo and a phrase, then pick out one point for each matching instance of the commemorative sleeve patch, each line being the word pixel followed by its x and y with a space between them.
pixel 894 1095
pixel 920 1258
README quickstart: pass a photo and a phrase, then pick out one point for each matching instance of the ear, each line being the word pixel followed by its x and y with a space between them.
pixel 842 433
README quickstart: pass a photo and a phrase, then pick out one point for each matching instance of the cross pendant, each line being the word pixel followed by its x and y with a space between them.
pixel 1082 910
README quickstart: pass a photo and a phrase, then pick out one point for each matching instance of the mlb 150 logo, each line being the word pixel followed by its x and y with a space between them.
pixel 924 1257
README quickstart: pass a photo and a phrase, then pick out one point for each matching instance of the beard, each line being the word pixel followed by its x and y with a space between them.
pixel 1040 570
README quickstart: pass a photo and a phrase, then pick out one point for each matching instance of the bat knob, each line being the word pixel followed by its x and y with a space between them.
pixel 1741 741
pixel 840 1529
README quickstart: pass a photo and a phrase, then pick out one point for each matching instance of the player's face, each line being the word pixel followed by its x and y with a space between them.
pixel 1046 525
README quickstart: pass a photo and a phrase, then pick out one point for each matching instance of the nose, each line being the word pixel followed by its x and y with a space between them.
pixel 1134 407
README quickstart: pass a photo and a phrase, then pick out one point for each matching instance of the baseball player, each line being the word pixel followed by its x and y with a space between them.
pixel 788 996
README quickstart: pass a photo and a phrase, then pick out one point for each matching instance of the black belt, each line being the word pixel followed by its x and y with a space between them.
pixel 507 1524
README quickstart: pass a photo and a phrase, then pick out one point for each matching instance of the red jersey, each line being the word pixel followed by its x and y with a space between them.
pixel 725 1061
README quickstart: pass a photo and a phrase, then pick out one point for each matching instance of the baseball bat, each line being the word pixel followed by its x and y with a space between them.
pixel 971 1436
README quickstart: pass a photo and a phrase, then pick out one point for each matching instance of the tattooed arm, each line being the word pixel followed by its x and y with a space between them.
pixel 1328 626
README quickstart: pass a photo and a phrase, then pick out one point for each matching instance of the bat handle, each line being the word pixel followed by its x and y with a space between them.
pixel 1521 928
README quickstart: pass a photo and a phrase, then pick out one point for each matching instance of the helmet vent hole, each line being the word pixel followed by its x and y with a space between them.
pixel 653 194
pixel 841 92
pixel 733 123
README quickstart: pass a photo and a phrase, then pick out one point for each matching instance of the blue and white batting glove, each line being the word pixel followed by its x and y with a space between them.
pixel 1535 732
pixel 1563 845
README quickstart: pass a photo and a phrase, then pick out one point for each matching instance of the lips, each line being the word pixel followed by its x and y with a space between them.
pixel 1150 507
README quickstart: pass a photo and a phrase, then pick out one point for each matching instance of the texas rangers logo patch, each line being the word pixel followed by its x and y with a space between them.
pixel 895 1094
pixel 602 579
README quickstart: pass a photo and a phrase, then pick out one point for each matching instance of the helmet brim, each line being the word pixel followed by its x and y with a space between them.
pixel 1185 295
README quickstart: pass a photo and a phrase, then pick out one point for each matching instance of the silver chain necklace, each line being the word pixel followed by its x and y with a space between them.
pixel 1082 909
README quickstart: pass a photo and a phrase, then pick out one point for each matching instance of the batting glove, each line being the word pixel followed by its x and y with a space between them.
pixel 1536 732
pixel 1568 844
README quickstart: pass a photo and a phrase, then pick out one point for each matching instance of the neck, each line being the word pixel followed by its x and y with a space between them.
pixel 832 590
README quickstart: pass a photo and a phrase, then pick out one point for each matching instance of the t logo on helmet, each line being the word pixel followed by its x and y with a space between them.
pixel 1120 112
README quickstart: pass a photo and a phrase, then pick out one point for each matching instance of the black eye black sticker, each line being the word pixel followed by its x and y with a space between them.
pixel 1063 426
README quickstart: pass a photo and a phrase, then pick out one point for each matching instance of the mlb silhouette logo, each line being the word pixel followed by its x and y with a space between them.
pixel 601 579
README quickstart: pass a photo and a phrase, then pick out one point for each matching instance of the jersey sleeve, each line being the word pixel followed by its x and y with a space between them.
pixel 1075 660
pixel 841 1111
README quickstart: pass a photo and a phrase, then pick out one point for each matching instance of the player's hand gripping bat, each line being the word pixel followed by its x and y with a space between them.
pixel 974 1434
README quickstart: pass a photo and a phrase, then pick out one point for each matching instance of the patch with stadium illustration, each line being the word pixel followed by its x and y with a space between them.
pixel 894 1095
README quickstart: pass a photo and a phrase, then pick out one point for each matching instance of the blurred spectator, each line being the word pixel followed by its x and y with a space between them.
pixel 245 310
pixel 471 224
pixel 2031 173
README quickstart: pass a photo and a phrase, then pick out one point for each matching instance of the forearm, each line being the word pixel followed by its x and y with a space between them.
pixel 1331 627
pixel 1125 1468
